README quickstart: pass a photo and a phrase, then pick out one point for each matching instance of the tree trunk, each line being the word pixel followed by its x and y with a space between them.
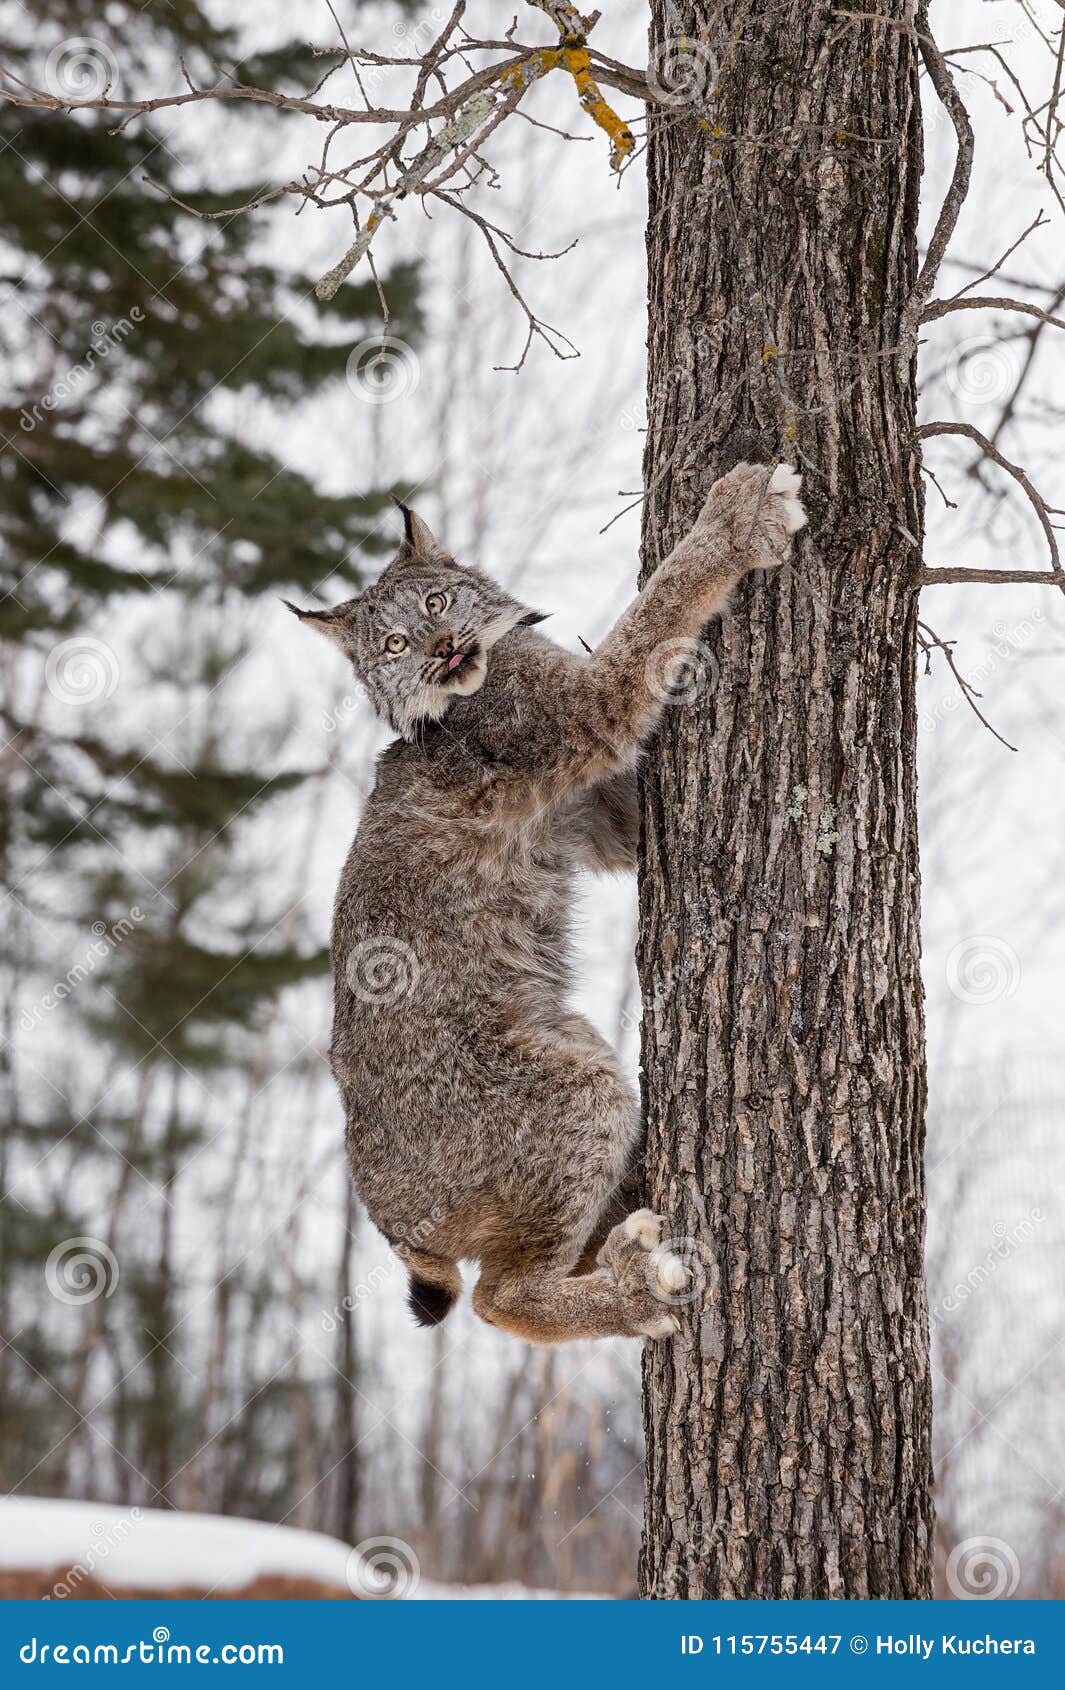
pixel 788 1425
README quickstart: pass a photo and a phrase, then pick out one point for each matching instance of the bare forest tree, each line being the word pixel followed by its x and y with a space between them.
pixel 789 1426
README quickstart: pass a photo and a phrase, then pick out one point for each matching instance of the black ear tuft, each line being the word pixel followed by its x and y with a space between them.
pixel 408 518
pixel 331 623
pixel 533 617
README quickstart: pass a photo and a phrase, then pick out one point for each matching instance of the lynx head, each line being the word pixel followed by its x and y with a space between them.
pixel 420 636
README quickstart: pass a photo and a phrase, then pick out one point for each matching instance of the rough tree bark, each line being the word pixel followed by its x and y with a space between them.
pixel 788 1426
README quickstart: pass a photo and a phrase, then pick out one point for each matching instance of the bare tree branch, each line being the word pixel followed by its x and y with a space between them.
pixel 989 577
pixel 1039 221
pixel 1038 503
pixel 941 308
pixel 469 113
pixel 950 210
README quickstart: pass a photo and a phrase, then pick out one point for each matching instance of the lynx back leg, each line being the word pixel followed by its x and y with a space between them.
pixel 627 1295
pixel 549 1307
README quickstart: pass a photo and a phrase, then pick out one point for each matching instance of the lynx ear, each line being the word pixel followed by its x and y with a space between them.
pixel 332 623
pixel 418 536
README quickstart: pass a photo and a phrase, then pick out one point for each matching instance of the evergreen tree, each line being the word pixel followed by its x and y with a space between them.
pixel 131 497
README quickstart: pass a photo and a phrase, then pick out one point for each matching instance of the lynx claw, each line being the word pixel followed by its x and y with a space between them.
pixel 646 1272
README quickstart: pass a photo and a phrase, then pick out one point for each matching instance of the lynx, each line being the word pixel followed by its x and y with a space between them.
pixel 486 1120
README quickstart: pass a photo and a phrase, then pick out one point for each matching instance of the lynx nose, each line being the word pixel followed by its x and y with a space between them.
pixel 444 646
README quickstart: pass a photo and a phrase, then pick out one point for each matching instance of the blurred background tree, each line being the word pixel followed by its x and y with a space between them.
pixel 145 323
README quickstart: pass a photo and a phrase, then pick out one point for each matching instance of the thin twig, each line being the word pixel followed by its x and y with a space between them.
pixel 929 642
pixel 987 577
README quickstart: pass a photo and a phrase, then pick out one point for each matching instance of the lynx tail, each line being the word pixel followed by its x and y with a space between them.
pixel 429 1304
pixel 435 1286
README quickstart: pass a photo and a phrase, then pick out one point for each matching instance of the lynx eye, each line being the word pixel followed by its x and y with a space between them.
pixel 436 604
pixel 396 643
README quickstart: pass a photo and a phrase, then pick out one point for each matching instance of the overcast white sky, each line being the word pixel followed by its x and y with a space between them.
pixel 523 472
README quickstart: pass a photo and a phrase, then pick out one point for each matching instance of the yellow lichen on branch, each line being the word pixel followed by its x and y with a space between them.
pixel 482 110
pixel 577 62
pixel 530 70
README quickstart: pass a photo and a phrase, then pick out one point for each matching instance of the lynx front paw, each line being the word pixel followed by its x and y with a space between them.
pixel 785 484
pixel 758 510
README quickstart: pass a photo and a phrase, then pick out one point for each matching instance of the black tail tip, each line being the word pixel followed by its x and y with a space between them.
pixel 429 1303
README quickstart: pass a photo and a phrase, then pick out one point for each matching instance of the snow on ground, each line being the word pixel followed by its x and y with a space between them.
pixel 157 1549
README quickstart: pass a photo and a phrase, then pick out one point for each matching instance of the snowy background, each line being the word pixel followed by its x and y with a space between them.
pixel 489 1459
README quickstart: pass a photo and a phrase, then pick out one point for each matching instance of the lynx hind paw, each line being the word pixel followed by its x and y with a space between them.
pixel 644 1227
pixel 648 1275
pixel 637 1254
pixel 660 1326
pixel 786 483
pixel 670 1273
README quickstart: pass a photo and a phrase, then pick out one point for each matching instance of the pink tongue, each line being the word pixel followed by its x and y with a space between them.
pixel 453 662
